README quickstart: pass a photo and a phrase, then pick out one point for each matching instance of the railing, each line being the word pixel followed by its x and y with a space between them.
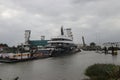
pixel 60 42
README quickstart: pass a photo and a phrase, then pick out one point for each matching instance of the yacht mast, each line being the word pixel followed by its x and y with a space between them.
pixel 62 32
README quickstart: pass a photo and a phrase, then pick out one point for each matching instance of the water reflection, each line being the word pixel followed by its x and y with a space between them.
pixel 114 58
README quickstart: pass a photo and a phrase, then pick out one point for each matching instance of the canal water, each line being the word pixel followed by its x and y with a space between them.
pixel 70 67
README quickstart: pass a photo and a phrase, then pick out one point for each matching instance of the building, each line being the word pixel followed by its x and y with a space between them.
pixel 35 43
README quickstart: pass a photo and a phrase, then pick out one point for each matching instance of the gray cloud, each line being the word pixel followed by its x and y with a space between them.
pixel 97 20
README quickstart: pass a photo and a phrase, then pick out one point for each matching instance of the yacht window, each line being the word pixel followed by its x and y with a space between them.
pixel 61 39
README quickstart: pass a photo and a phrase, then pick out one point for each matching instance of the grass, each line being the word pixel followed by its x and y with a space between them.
pixel 103 72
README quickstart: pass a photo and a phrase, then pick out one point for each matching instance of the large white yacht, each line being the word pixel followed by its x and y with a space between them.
pixel 62 44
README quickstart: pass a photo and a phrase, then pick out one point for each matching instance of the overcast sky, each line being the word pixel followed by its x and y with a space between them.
pixel 96 20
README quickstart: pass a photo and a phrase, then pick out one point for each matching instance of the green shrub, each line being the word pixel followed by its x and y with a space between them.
pixel 103 72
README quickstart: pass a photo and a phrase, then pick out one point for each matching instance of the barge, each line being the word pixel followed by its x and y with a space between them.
pixel 26 56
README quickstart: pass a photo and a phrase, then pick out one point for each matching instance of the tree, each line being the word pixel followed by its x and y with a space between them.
pixel 4 45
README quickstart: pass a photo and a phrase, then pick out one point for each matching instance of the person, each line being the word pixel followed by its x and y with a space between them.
pixel 105 49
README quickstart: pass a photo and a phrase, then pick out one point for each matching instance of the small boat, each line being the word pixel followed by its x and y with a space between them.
pixel 14 57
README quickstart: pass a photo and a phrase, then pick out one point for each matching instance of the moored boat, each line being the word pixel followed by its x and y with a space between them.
pixel 62 44
pixel 23 56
